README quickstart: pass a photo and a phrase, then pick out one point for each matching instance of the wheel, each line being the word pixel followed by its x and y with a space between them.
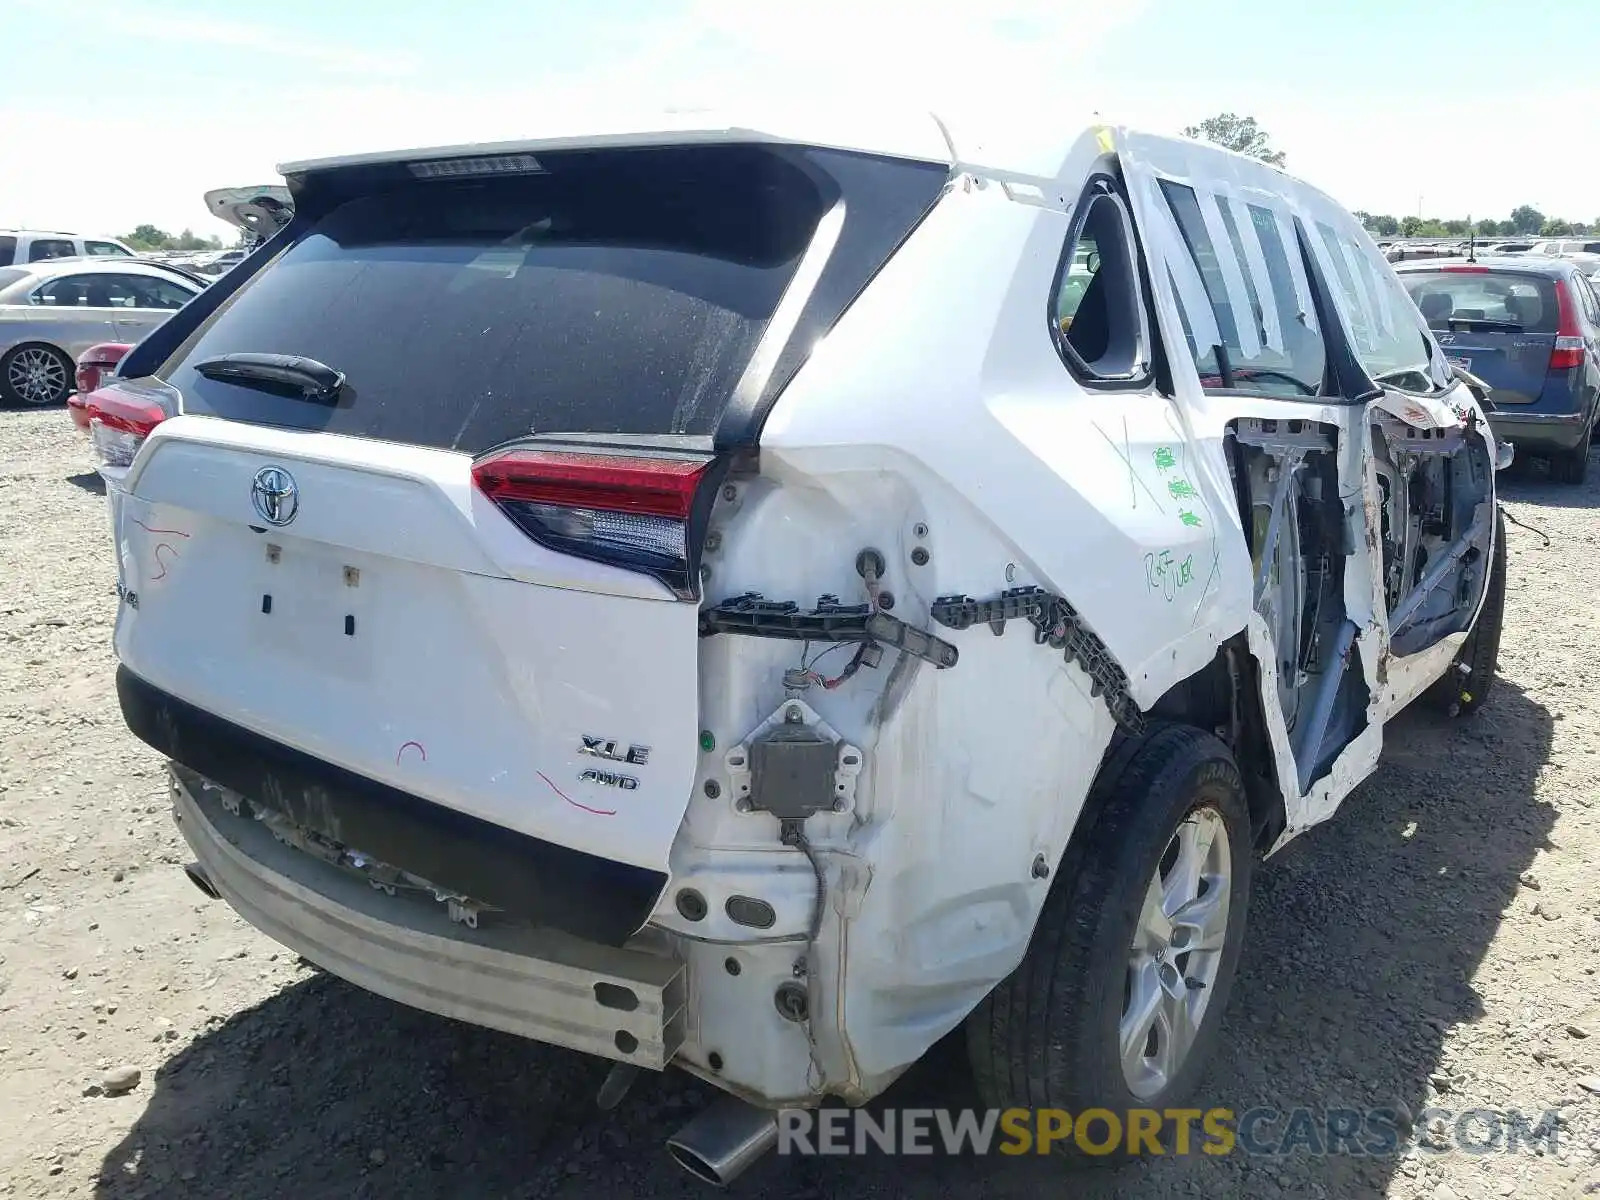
pixel 1571 466
pixel 1464 691
pixel 35 376
pixel 1118 999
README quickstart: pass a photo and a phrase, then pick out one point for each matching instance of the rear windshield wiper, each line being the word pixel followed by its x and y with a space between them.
pixel 1485 324
pixel 312 379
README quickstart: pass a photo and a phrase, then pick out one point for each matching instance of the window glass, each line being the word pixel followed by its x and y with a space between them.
pixel 1591 302
pixel 1389 336
pixel 68 291
pixel 148 291
pixel 8 250
pixel 1270 344
pixel 104 249
pixel 100 291
pixel 1527 302
pixel 44 249
pixel 1097 310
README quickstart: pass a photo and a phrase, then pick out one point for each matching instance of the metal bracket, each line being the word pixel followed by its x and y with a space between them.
pixel 830 621
pixel 1055 624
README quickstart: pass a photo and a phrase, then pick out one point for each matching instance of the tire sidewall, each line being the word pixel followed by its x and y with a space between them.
pixel 1206 776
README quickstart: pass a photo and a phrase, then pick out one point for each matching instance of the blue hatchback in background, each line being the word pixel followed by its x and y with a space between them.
pixel 1529 327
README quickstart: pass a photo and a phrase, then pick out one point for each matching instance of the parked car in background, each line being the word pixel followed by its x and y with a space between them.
pixel 1529 327
pixel 51 312
pixel 258 212
pixel 95 365
pixel 1562 247
pixel 39 245
pixel 1508 248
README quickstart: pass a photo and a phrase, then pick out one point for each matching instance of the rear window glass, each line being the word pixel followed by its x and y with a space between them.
pixel 8 251
pixel 620 292
pixel 1525 301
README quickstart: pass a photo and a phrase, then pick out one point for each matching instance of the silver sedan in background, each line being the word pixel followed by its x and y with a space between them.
pixel 51 312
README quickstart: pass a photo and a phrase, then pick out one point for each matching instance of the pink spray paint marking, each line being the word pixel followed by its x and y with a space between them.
pixel 599 812
pixel 147 529
pixel 160 546
pixel 404 746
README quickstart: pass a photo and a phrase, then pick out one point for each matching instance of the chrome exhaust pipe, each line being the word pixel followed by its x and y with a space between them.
pixel 197 876
pixel 722 1142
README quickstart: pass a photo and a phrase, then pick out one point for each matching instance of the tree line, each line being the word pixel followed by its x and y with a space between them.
pixel 1245 136
pixel 148 237
pixel 1525 221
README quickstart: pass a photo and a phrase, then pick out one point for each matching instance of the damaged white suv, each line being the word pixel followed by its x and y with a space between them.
pixel 755 599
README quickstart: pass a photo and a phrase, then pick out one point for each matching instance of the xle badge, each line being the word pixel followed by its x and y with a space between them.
pixel 610 779
pixel 609 749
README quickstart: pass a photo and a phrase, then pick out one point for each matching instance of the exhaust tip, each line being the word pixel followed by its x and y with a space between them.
pixel 197 876
pixel 695 1165
pixel 722 1142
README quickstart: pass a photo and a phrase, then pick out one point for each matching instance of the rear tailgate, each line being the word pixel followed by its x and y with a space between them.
pixel 467 572
pixel 1499 325
pixel 402 628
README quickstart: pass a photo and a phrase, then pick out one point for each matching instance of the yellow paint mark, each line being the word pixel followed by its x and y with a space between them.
pixel 1106 141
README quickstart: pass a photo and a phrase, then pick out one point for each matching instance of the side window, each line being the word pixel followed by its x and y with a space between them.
pixel 149 292
pixel 48 248
pixel 104 250
pixel 1267 337
pixel 8 251
pixel 86 291
pixel 1591 302
pixel 1097 314
pixel 1390 338
pixel 68 291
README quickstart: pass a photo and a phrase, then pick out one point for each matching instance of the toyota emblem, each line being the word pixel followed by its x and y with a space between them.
pixel 275 495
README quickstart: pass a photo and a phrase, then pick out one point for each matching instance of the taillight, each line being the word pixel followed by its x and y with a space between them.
pixel 119 421
pixel 634 512
pixel 95 365
pixel 1464 270
pixel 1568 351
pixel 98 361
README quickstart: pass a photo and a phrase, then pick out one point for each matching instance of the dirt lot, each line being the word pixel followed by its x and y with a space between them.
pixel 1435 945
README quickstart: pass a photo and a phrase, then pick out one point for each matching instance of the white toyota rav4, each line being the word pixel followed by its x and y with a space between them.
pixel 756 598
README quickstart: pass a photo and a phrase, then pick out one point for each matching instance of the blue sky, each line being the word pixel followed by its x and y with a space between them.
pixel 125 111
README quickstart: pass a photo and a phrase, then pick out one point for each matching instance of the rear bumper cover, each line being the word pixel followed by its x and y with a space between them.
pixel 593 898
pixel 621 1004
pixel 1558 431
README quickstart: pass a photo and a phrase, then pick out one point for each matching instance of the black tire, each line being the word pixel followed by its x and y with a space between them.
pixel 18 358
pixel 1048 1036
pixel 1571 466
pixel 1462 693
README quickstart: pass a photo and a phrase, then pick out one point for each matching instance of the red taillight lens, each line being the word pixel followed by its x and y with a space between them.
pixel 119 422
pixel 629 511
pixel 1465 270
pixel 98 361
pixel 1568 351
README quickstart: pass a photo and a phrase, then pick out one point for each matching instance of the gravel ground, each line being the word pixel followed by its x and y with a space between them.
pixel 1434 945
